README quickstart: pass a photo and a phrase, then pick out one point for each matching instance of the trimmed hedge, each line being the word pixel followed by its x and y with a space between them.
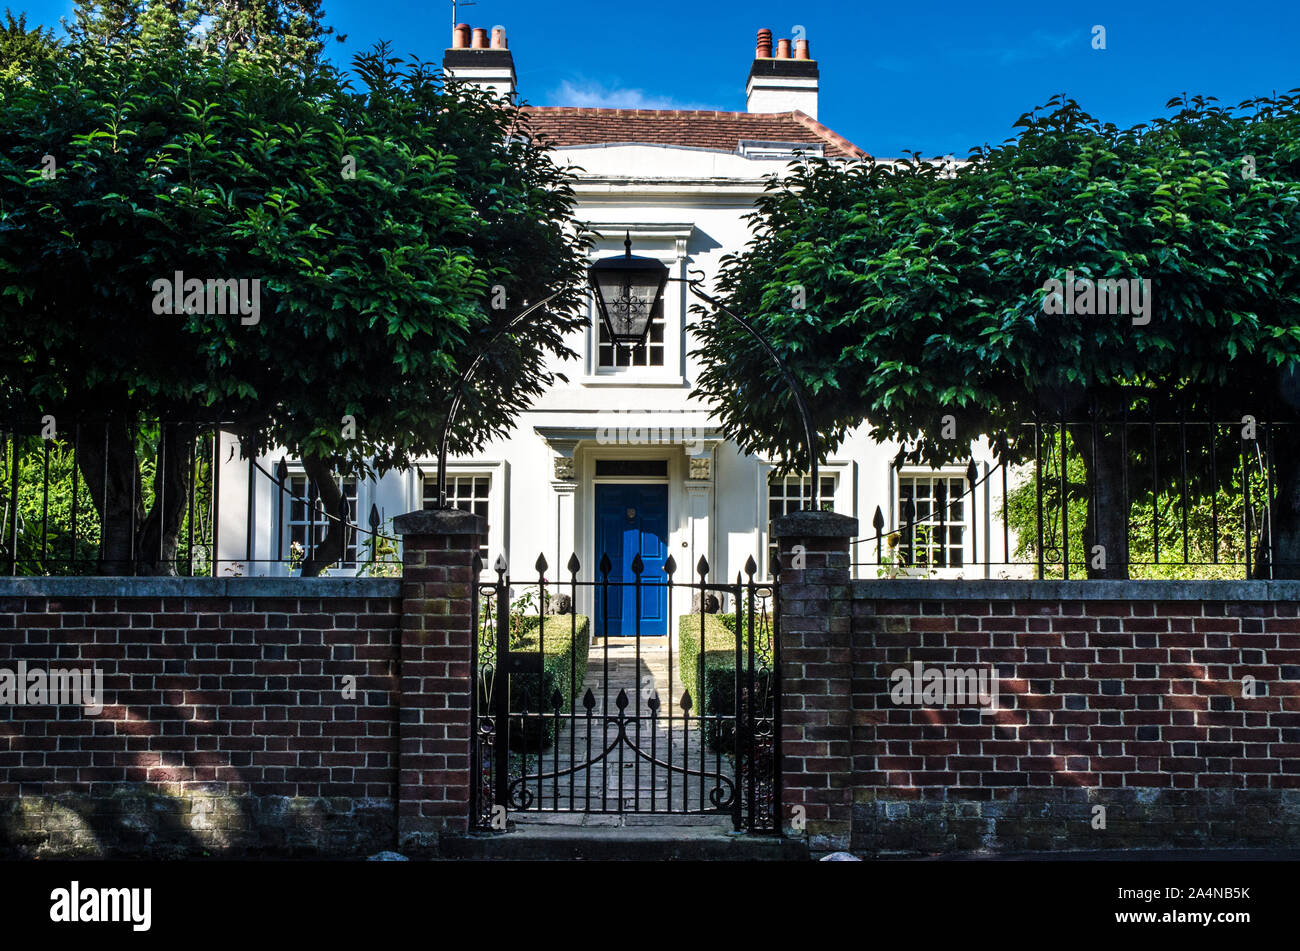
pixel 719 695
pixel 563 654
pixel 719 674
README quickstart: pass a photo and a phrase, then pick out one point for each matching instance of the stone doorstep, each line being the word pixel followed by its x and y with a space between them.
pixel 629 835
pixel 621 820
pixel 599 838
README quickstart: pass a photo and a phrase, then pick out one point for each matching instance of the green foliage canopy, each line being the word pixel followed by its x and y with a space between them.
pixel 382 225
pixel 375 286
pixel 924 283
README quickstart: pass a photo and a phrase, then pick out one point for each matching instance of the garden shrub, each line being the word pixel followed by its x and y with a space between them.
pixel 719 693
pixel 564 668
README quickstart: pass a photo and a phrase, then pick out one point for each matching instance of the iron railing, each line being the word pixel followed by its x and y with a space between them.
pixel 50 523
pixel 1171 497
pixel 574 717
pixel 1197 498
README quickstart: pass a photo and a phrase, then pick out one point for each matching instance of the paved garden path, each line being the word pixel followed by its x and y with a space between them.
pixel 644 788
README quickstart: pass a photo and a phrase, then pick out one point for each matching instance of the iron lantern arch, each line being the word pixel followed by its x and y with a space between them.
pixel 634 286
pixel 629 290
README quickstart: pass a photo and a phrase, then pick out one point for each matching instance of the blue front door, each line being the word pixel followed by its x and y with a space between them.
pixel 632 520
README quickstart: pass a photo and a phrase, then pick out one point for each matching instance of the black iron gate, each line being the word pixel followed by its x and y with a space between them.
pixel 566 720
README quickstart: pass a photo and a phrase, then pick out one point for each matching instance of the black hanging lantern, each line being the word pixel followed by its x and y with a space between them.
pixel 628 288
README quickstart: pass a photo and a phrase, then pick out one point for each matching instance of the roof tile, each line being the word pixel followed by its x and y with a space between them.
pixel 566 126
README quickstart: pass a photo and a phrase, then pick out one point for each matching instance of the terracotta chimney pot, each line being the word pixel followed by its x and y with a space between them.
pixel 763 47
pixel 801 49
pixel 498 37
pixel 460 36
pixel 782 49
pixel 480 41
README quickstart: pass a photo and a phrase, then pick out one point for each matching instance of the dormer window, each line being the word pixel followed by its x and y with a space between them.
pixel 753 149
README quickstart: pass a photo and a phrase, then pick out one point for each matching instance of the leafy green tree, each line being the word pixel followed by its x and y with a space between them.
pixel 285 30
pixel 57 521
pixel 925 292
pixel 104 22
pixel 294 29
pixel 382 226
pixel 1187 525
pixel 21 49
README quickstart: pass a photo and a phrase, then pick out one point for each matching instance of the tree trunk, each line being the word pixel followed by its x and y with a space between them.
pixel 159 534
pixel 108 464
pixel 331 546
pixel 1285 557
pixel 1107 522
pixel 133 541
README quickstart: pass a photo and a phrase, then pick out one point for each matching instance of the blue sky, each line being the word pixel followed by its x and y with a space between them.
pixel 936 77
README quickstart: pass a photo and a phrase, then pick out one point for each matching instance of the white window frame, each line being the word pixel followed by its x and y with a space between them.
pixel 285 524
pixel 666 243
pixel 839 500
pixel 934 475
pixel 598 328
pixel 497 473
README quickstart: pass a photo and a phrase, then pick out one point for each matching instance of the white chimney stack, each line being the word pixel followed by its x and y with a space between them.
pixel 473 58
pixel 784 82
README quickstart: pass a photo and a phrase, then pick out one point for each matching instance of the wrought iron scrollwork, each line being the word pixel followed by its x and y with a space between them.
pixel 721 795
pixel 485 724
pixel 545 743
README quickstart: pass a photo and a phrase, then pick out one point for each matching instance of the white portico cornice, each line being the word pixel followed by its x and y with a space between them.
pixel 564 439
pixel 645 230
pixel 746 189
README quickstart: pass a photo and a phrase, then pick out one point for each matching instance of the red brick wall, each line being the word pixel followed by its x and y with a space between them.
pixel 816 688
pixel 1094 694
pixel 227 724
pixel 1127 713
pixel 438 585
pixel 221 714
pixel 816 677
pixel 1122 721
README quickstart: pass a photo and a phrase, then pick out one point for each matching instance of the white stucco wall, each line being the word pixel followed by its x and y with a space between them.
pixel 684 206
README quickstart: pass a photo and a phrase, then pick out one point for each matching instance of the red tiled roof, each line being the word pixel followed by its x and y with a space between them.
pixel 568 126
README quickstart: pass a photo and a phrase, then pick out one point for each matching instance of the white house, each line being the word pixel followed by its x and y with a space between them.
pixel 622 445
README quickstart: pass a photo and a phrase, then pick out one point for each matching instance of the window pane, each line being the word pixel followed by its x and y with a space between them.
pixel 469 493
pixel 307 525
pixel 650 353
pixel 792 493
pixel 930 545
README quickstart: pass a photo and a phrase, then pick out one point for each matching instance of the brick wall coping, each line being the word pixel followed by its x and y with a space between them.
pixel 814 525
pixel 440 522
pixel 132 587
pixel 930 589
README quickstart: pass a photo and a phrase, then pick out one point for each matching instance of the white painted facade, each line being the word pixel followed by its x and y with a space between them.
pixel 685 206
